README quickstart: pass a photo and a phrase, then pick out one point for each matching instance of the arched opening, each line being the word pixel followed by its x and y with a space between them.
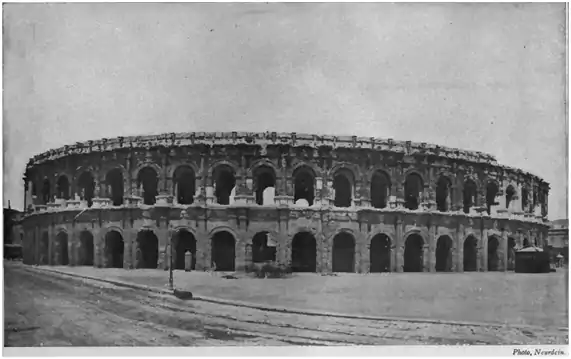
pixel 63 187
pixel 303 253
pixel 380 189
pixel 262 248
pixel 184 241
pixel 443 194
pixel 184 185
pixel 470 193
pixel 444 254
pixel 223 251
pixel 85 248
pixel 491 193
pixel 264 177
pixel 343 185
pixel 148 181
pixel 413 253
pixel 224 182
pixel 114 249
pixel 115 189
pixel 470 254
pixel 46 191
pixel 147 252
pixel 525 199
pixel 511 253
pixel 380 254
pixel 413 188
pixel 86 186
pixel 526 242
pixel 510 193
pixel 44 249
pixel 344 253
pixel 304 185
pixel 61 251
pixel 493 257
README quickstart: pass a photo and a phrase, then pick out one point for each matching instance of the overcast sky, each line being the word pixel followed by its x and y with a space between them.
pixel 485 77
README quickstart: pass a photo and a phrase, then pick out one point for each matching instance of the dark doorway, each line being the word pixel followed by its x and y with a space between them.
pixel 491 193
pixel 343 189
pixel 380 254
pixel 261 252
pixel 470 193
pixel 46 191
pixel 264 177
pixel 86 185
pixel 443 194
pixel 511 253
pixel 444 254
pixel 45 249
pixel 61 252
pixel 148 180
pixel 184 241
pixel 147 253
pixel 413 254
pixel 184 185
pixel 493 257
pixel 380 189
pixel 344 253
pixel 470 254
pixel 224 183
pixel 223 251
pixel 413 188
pixel 114 249
pixel 304 185
pixel 303 253
pixel 510 193
pixel 115 189
pixel 86 248
pixel 63 187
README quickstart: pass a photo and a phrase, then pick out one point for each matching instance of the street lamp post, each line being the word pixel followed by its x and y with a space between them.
pixel 171 284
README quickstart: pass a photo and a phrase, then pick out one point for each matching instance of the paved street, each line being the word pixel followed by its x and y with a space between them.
pixel 50 310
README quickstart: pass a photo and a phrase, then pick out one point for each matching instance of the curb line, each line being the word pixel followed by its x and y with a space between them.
pixel 281 309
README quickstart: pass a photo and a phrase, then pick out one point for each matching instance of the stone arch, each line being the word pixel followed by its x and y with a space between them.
pixel 492 190
pixel 86 186
pixel 114 248
pixel 344 252
pixel 115 180
pixel 46 191
pixel 414 253
pixel 344 186
pixel 313 169
pixel 147 249
pixel 512 244
pixel 231 164
pixel 413 188
pixel 525 242
pixel 148 184
pixel 183 241
pixel 262 248
pixel 86 248
pixel 304 252
pixel 510 194
pixel 470 259
pixel 223 248
pixel 444 196
pixel 61 253
pixel 470 194
pixel 493 253
pixel 172 168
pixel 262 162
pixel 184 184
pixel 444 255
pixel 223 229
pixel 63 187
pixel 380 188
pixel 525 198
pixel 352 170
pixel 380 253
pixel 223 180
pixel 304 184
pixel 263 177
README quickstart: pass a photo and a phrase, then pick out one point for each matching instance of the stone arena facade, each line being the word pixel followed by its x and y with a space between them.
pixel 311 202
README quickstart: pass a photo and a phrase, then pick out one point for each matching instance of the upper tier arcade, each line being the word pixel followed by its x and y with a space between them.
pixel 238 168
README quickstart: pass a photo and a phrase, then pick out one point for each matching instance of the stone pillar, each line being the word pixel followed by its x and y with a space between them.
pixel 398 259
pixel 460 248
pixel 365 257
pixel 283 250
pixel 484 252
pixel 504 254
pixel 241 259
pixel 430 262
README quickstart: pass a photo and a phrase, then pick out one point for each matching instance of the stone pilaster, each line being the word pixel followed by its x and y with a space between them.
pixel 398 258
pixel 430 262
pixel 484 253
pixel 504 248
pixel 460 237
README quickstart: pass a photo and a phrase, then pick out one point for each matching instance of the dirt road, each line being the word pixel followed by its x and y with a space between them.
pixel 50 310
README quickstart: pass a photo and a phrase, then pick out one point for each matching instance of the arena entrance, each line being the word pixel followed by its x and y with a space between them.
pixel 183 241
pixel 444 254
pixel 224 251
pixel 380 254
pixel 413 253
pixel 470 254
pixel 344 253
pixel 147 252
pixel 261 251
pixel 45 249
pixel 114 249
pixel 61 251
pixel 303 253
pixel 493 258
pixel 86 249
